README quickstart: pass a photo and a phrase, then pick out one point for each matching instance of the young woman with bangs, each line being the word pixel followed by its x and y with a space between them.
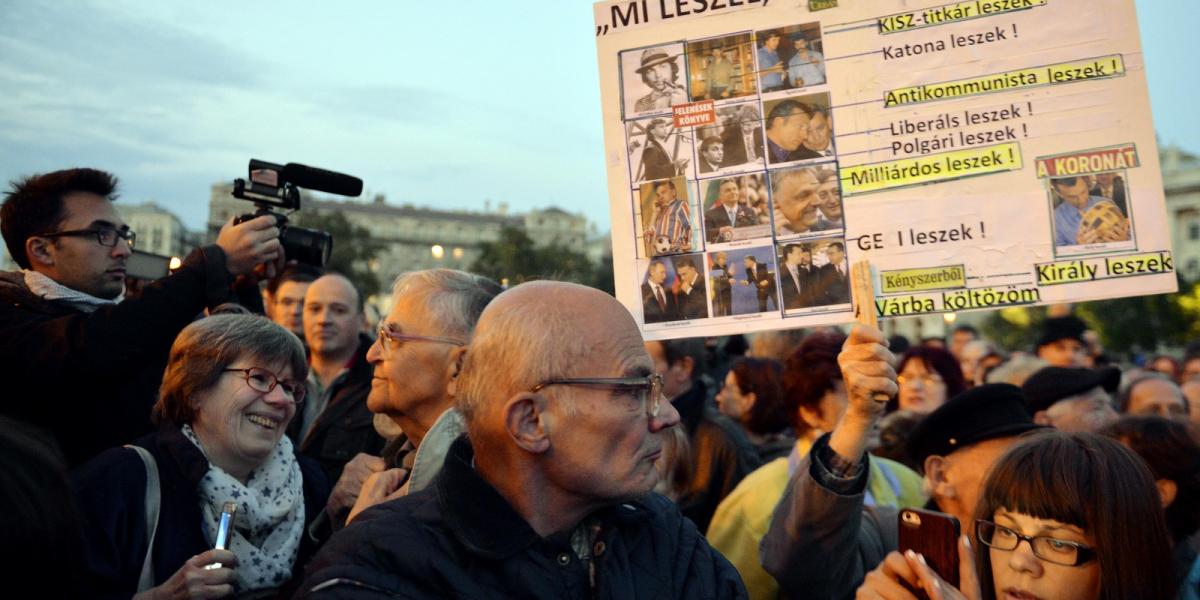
pixel 1062 516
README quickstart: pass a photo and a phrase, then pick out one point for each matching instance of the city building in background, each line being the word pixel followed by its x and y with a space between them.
pixel 423 238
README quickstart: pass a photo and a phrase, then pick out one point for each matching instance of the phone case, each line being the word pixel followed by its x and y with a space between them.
pixel 934 535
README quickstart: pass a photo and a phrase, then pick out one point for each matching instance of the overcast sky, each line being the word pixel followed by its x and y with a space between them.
pixel 436 104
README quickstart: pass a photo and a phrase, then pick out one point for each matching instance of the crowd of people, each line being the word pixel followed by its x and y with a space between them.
pixel 483 442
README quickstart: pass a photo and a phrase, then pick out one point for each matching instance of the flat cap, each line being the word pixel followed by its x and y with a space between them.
pixel 1052 384
pixel 979 414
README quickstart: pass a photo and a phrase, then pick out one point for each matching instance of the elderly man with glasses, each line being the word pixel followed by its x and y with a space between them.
pixel 76 360
pixel 414 362
pixel 549 495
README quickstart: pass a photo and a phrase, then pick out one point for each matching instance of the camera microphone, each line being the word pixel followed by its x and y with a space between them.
pixel 321 180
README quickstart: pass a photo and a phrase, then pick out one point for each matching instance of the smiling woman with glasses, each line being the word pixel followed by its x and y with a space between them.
pixel 231 386
pixel 1062 516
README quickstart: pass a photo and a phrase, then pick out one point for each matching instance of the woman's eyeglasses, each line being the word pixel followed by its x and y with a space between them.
pixel 262 380
pixel 1059 552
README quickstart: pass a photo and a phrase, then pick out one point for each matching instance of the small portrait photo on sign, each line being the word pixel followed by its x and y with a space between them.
pixel 659 303
pixel 658 150
pixel 814 274
pixel 1089 211
pixel 739 133
pixel 801 200
pixel 742 281
pixel 668 217
pixel 653 79
pixel 799 128
pixel 790 57
pixel 729 216
pixel 675 289
pixel 722 68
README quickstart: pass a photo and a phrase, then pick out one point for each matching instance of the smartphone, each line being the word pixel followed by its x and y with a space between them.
pixel 933 535
pixel 224 530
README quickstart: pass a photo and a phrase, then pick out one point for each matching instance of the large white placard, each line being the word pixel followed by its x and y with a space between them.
pixel 980 154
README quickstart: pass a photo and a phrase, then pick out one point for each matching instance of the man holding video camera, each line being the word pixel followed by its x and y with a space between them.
pixel 77 361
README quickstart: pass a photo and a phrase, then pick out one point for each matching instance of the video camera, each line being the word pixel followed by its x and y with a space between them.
pixel 271 185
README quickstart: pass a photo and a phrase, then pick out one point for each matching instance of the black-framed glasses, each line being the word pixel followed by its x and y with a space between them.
pixel 1059 552
pixel 648 388
pixel 391 340
pixel 263 380
pixel 105 236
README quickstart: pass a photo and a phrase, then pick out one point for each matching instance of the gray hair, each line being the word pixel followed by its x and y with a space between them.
pixel 1016 370
pixel 778 177
pixel 206 347
pixel 454 298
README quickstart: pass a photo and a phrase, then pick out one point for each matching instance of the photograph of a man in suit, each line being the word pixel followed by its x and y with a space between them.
pixel 743 138
pixel 835 279
pixel 659 303
pixel 829 195
pixel 797 277
pixel 763 280
pixel 787 129
pixel 693 290
pixel 727 213
pixel 722 285
pixel 712 154
pixel 819 138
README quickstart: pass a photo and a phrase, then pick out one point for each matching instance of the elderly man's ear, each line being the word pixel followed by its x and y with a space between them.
pixel 453 368
pixel 526 421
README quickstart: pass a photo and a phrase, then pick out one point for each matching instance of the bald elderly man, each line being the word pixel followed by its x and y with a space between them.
pixel 549 495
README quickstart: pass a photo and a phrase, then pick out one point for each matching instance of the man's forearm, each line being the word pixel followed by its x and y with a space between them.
pixel 849 437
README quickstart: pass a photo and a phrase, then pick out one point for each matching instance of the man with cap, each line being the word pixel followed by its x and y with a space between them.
pixel 1072 399
pixel 1062 343
pixel 659 72
pixel 823 540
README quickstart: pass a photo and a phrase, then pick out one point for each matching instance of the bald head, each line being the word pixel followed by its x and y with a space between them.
pixel 332 316
pixel 541 330
pixel 561 409
pixel 1156 395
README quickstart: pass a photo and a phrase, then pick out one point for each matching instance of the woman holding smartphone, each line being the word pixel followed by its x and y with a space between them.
pixel 1062 516
pixel 232 385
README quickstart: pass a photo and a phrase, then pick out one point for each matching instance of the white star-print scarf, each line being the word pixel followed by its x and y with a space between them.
pixel 270 516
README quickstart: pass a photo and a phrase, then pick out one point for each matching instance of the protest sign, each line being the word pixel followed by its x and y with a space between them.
pixel 980 154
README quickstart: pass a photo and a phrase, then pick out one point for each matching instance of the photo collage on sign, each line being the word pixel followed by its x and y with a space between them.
pixel 716 205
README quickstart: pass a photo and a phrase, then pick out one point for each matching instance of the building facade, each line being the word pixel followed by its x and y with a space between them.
pixel 417 238
pixel 158 230
pixel 1181 183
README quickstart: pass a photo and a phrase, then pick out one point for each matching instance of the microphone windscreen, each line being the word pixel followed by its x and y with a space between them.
pixel 321 180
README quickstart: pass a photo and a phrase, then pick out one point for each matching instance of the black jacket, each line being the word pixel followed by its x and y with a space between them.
pixel 346 426
pixel 90 379
pixel 459 538
pixel 721 455
pixel 111 491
